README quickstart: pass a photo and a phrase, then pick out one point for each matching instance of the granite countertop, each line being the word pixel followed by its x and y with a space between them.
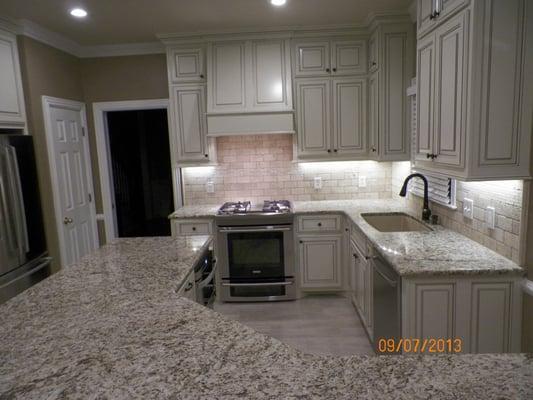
pixel 113 327
pixel 440 251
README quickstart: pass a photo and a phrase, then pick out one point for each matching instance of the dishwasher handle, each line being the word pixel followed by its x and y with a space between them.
pixel 378 264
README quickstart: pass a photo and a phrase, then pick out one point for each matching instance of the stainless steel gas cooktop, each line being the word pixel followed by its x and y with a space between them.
pixel 269 207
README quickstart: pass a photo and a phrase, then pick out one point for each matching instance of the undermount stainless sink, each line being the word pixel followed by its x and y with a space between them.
pixel 397 222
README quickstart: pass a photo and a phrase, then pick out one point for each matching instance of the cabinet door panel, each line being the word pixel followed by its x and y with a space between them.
pixel 435 310
pixel 349 116
pixel 491 317
pixel 450 91
pixel 227 70
pixel 395 125
pixel 186 65
pixel 374 114
pixel 188 122
pixel 312 58
pixel 373 54
pixel 425 94
pixel 313 110
pixel 348 57
pixel 320 262
pixel 12 111
pixel 424 10
pixel 269 74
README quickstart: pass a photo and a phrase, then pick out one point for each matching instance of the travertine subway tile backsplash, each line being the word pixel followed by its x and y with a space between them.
pixel 260 167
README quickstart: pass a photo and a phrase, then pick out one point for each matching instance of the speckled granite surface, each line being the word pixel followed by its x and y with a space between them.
pixel 439 252
pixel 112 327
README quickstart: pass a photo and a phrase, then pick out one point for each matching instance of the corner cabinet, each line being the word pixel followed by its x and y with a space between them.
pixel 475 90
pixel 391 52
pixel 12 109
pixel 331 118
pixel 484 313
pixel 188 124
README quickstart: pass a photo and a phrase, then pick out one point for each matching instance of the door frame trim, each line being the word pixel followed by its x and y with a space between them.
pixel 100 110
pixel 47 103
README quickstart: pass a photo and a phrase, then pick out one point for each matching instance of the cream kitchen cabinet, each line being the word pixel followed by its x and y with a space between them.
pixel 389 126
pixel 329 57
pixel 186 64
pixel 320 262
pixel 331 118
pixel 475 92
pixel 432 12
pixel 361 285
pixel 249 87
pixel 12 109
pixel 188 124
pixel 484 313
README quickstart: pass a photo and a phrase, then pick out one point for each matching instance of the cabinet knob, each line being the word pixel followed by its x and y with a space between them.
pixel 194 228
pixel 335 150
pixel 202 76
pixel 374 63
pixel 334 69
pixel 319 224
pixel 188 287
pixel 327 69
pixel 428 155
pixel 206 155
pixel 301 241
pixel 355 255
pixel 329 150
pixel 373 149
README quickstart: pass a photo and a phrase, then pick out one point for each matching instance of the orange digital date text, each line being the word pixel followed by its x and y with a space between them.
pixel 412 345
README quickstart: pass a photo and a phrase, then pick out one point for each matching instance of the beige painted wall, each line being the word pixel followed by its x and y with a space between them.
pixel 51 72
pixel 119 79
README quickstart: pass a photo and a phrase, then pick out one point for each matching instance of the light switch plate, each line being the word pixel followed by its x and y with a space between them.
pixel 468 208
pixel 362 181
pixel 490 217
pixel 210 187
pixel 317 182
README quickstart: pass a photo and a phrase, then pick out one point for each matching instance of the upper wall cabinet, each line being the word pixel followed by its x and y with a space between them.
pixel 475 91
pixel 249 87
pixel 329 57
pixel 186 64
pixel 12 110
pixel 389 133
pixel 431 13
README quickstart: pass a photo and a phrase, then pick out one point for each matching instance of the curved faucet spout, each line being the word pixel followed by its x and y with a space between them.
pixel 426 212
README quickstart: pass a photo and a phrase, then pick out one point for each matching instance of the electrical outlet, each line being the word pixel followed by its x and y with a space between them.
pixel 362 181
pixel 490 217
pixel 468 208
pixel 210 187
pixel 317 182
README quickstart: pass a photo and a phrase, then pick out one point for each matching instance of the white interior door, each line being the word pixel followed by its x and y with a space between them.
pixel 69 160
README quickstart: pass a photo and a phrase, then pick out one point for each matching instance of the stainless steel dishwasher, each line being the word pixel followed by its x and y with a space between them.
pixel 387 303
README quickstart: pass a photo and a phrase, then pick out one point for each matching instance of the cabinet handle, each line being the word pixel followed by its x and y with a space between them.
pixel 327 69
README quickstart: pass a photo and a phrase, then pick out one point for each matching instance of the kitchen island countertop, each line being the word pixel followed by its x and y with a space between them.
pixel 112 326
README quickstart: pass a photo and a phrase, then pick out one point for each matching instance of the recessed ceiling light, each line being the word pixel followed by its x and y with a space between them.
pixel 278 3
pixel 78 12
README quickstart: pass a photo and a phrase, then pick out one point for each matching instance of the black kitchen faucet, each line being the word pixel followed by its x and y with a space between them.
pixel 426 212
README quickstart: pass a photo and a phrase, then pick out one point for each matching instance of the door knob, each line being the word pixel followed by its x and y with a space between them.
pixel 67 220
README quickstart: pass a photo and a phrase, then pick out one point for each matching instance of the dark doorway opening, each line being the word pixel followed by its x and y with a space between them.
pixel 142 174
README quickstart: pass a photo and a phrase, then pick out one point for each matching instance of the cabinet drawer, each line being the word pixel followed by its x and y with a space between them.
pixel 320 223
pixel 200 227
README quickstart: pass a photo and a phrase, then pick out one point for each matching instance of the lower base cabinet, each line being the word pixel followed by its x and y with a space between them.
pixel 188 287
pixel 320 262
pixel 482 313
pixel 361 286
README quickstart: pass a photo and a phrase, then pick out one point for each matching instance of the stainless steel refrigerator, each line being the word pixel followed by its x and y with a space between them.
pixel 24 260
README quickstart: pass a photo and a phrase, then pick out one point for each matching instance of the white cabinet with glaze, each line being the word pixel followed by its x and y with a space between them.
pixel 331 118
pixel 432 12
pixel 361 285
pixel 186 64
pixel 392 47
pixel 12 109
pixel 475 91
pixel 188 125
pixel 483 313
pixel 329 57
pixel 320 262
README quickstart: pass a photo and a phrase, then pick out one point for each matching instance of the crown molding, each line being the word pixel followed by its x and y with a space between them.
pixel 46 36
pixel 128 49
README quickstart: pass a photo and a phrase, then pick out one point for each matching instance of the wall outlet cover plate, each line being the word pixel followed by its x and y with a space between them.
pixel 468 208
pixel 317 182
pixel 362 181
pixel 490 217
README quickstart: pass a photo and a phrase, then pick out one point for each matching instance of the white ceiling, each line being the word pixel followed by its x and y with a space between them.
pixel 132 21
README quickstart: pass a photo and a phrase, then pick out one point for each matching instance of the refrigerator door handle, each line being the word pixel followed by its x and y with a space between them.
pixel 21 223
pixel 10 225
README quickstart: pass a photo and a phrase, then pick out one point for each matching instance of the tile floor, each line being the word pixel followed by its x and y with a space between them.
pixel 318 324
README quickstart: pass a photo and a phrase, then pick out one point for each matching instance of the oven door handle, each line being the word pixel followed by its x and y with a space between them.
pixel 255 229
pixel 285 283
